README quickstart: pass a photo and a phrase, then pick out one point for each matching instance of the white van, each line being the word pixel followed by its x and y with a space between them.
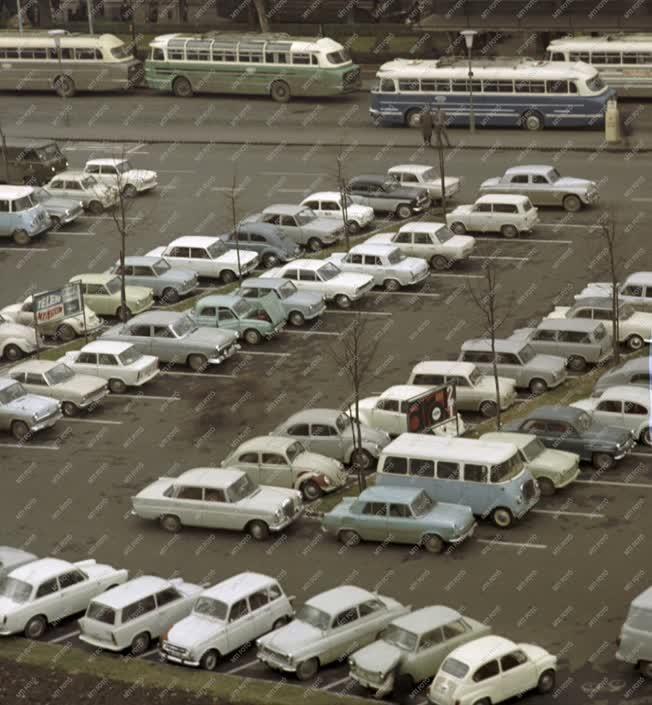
pixel 507 214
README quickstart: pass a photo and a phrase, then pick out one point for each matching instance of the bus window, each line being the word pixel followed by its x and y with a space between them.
pixel 87 54
pixel 300 58
pixel 408 84
pixel 387 85
pixel 11 53
pixel 557 86
pixel 556 56
pixel 537 87
pixel 67 54
pixel 580 56
pixel 157 55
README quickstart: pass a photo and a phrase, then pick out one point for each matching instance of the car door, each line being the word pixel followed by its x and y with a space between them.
pixel 180 257
pixel 164 345
pixel 331 209
pixel 544 192
pixel 519 183
pixel 34 382
pixel 218 512
pixel 249 462
pixel 76 591
pixel 545 341
pixel 201 262
pixel 326 439
pixel 425 245
pixel 610 412
pixel 373 266
pixel 227 320
pixel 309 280
pixel 518 674
pixel 263 612
pixel 292 230
pixel 140 616
pixel 403 240
pixel 488 677
pixel 387 416
pixel 275 470
pixel 47 601
pixel 206 315
pixel 509 365
pixel 241 629
pixel 142 275
pixel 95 297
pixel 188 505
pixel 26 314
pixel 428 656
pixel 635 416
pixel 342 638
pixel 401 526
pixel 566 437
pixel 6 222
pixel 481 218
pixel 369 521
pixel 87 364
pixel 108 175
pixel 353 262
pixel 640 297
pixel 466 396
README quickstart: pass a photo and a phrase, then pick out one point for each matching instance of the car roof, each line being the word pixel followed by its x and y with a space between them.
pixel 263 283
pixel 142 259
pixel 72 173
pixel 476 652
pixel 371 178
pixel 340 598
pixel 389 493
pixel 444 367
pixel 427 618
pixel 323 195
pixel 10 192
pixel 194 241
pixel 284 208
pixel 162 318
pixel 41 569
pixel 215 478
pixel 93 278
pixel 321 415
pixel 529 169
pixel 106 346
pixel 580 324
pixel 135 589
pixel 106 160
pixel 378 248
pixel 424 226
pixel 266 229
pixel 639 278
pixel 502 198
pixel 410 168
pixel 314 264
pixel 220 299
pixel 268 443
pixel 595 302
pixel 502 344
pixel 36 365
pixel 468 450
pixel 644 600
pixel 520 440
pixel 237 586
pixel 556 412
pixel 628 392
pixel 403 392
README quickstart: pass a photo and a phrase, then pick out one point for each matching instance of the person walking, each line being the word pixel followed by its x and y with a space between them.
pixel 426 126
pixel 439 126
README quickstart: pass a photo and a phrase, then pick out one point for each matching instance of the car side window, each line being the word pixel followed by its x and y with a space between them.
pixel 258 599
pixel 319 429
pixel 272 218
pixel 257 238
pixel 632 408
pixel 430 639
pixel 49 587
pixel 274 459
pixel 179 252
pixel 400 511
pixel 71 578
pixel 239 610
pixel 162 332
pixel 34 378
pixel 584 313
pixel 535 426
pixel 87 358
pixel 404 238
pixel 453 629
pixel 428 379
pixel 458 380
pixel 483 207
pixel 519 179
pixel 107 359
pixel 545 335
pixel 573 336
pixel 274 592
pixel 208 311
pixel 346 617
pixel 291 274
pixel 168 595
pixel 422 468
pixel 198 253
pixel 448 471
pixel 248 458
pixel 387 404
pixel 395 465
pixel 642 377
pixel 475 473
pixel 184 492
pixel 374 509
pixel 509 661
pixel 225 314
pixel 141 271
pixel 18 376
pixel 140 331
pixel 299 429
pixel 632 290
pixel 212 494
pixel 610 405
pixel 288 221
pixel 422 239
pixel 558 428
pixel 4 206
pixel 506 359
pixel 330 206
pixel 307 275
pixel 370 607
pixel 314 205
pixel 539 178
pixel 138 608
pixel 354 259
pixel 489 670
pixel 372 260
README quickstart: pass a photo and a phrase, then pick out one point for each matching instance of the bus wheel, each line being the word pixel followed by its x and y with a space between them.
pixel 280 91
pixel 64 86
pixel 532 121
pixel 182 87
pixel 413 118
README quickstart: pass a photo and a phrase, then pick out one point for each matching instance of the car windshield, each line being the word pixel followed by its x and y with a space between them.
pixel 338 57
pixel 454 668
pixel 89 182
pixel 313 616
pixel 475 377
pixel 286 290
pixel 243 309
pixel 595 84
pixel 210 607
pixel 583 422
pixel 11 393
pixel 23 204
pixel 40 194
pixel 161 267
pixel 526 354
pixel 16 590
pixel 100 613
pixel 444 234
pixel 399 637
pixel 52 151
pixel 183 326
pixel 113 285
pixel 395 256
pixel 217 249
pixel 422 504
pixel 533 449
pixel 59 374
pixel 120 52
pixel 328 271
pixel 429 175
pixel 295 449
pixel 342 422
pixel 553 175
pixel 243 487
pixel 502 472
pixel 304 216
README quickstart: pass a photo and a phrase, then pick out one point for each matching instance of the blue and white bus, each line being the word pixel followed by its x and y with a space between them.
pixel 507 92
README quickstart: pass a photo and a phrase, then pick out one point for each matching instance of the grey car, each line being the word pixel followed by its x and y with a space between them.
pixel 634 372
pixel 168 283
pixel 61 210
pixel 12 558
pixel 299 305
pixel 268 241
pixel 517 360
pixel 301 224
pixel 544 186
pixel 176 338
pixel 24 414
pixel 330 432
pixel 385 195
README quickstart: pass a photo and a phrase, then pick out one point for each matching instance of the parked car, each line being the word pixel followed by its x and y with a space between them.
pixel 166 282
pixel 544 186
pixel 491 670
pixel 16 340
pixel 24 414
pixel 207 257
pixel 552 469
pixel 218 498
pixel 227 617
pixel 133 615
pixel 22 217
pixel 63 329
pixel 285 462
pixel 431 241
pixel 328 204
pixel 388 266
pixel 327 628
pixel 631 372
pixel 474 391
pixel 121 364
pixel 517 360
pixel 62 211
pixel 33 161
pixel 47 590
pixel 325 278
pixel 506 214
pixel 412 648
pixel 302 225
pixel 635 290
pixel 623 407
pixel 102 295
pixel 420 176
pixel 299 305
pixel 571 429
pixel 95 196
pixel 175 338
pixel 634 327
pixel 12 558
pixel 253 321
pixel 635 640
pixel 54 379
pixel 399 515
pixel 119 174
pixel 269 242
pixel 330 432
pixel 580 341
pixel 385 195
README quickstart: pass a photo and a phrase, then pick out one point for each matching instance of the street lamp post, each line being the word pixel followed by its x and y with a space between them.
pixel 19 13
pixel 56 34
pixel 89 11
pixel 469 35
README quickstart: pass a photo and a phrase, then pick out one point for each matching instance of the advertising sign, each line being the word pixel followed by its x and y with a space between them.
pixel 58 304
pixel 432 408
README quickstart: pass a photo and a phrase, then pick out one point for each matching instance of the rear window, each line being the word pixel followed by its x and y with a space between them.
pixel 101 613
pixel 454 668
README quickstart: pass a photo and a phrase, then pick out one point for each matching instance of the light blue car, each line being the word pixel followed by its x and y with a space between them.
pixel 299 306
pixel 21 216
pixel 168 283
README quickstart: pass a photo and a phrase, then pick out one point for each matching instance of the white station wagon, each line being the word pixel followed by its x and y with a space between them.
pixel 119 173
pixel 133 615
pixel 389 267
pixel 328 204
pixel 47 590
pixel 419 176
pixel 635 290
pixel 225 618
pixel 495 213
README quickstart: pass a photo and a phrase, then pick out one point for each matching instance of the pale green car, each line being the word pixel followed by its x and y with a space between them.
pixel 102 295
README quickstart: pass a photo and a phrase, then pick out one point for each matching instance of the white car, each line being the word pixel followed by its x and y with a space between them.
pixel 12 558
pixel 207 256
pixel 95 196
pixel 227 617
pixel 133 615
pixel 16 340
pixel 420 176
pixel 432 241
pixel 118 173
pixel 495 213
pixel 635 290
pixel 122 364
pixel 44 591
pixel 325 278
pixel 490 670
pixel 328 204
pixel 388 266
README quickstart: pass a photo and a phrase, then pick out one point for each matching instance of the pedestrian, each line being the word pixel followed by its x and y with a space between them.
pixel 439 124
pixel 426 126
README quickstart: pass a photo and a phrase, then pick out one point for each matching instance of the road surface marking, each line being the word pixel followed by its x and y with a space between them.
pixel 23 249
pixel 291 190
pixel 364 313
pixel 263 352
pixel 293 173
pixel 560 512
pixel 613 483
pixel 641 199
pixel 466 276
pixel 175 171
pixel 135 149
pixel 334 684
pixel 311 332
pixel 638 454
pixel 501 257
pixel 408 293
pixel 99 421
pixel 568 225
pixel 197 374
pixel 484 238
pixel 30 446
pixel 512 543
pixel 143 396
pixel 64 637
pixel 242 666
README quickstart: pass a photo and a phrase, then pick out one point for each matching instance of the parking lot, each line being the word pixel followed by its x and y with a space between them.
pixel 562 578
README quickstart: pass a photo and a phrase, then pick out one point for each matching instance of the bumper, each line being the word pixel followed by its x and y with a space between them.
pixel 311 315
pixel 466 535
pixel 278 328
pixel 46 423
pixel 101 644
pixel 70 217
pixel 146 186
pixel 368 683
pixel 627 448
pixel 224 354
pixel 276 664
pixel 507 402
pixel 274 528
pixel 522 510
pixel 421 207
pixel 178 659
pixel 94 399
pixel 591 198
pixel 570 479
pixel 420 277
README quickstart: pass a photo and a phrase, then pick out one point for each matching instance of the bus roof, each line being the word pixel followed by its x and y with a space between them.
pixel 465 450
pixel 324 44
pixel 43 39
pixel 608 42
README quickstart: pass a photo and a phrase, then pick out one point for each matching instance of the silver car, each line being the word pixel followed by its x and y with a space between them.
pixel 544 186
pixel 62 210
pixel 168 283
pixel 299 306
pixel 24 414
pixel 94 196
pixel 633 372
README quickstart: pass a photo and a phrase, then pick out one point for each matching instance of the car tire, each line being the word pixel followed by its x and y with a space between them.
pixel 635 342
pixel 576 363
pixel 315 244
pixel 509 231
pixel 391 284
pixel 270 260
pixel 348 537
pixel 645 438
pixel 171 523
pixel 572 203
pixel 258 530
pixel 69 409
pixel 310 491
pixel 362 458
pixel 210 660
pixel 439 262
pixel 12 352
pixel 353 227
pixel 129 191
pixel 502 518
pixel 117 386
pixel 489 409
pixel 20 430
pixel 546 486
pixel 36 627
pixel 533 121
pixel 343 301
pixel 252 337
pixel 228 276
pixel 170 295
pixel 307 669
pixel 433 543
pixel 296 318
pixel 538 386
pixel 182 88
pixel 95 207
pixel 140 643
pixel 413 118
pixel 602 461
pixel 645 667
pixel 66 333
pixel 64 86
pixel 404 684
pixel 280 92
pixel 458 228
pixel 546 681
pixel 403 211
pixel 197 362
pixel 21 238
pixel 118 313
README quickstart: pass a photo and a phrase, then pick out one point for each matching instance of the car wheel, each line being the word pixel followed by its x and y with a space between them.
pixel 413 118
pixel 433 543
pixel 502 517
pixel 210 660
pixel 489 409
pixel 315 244
pixel 310 491
pixel 296 318
pixel 546 681
pixel 509 231
pixel 197 363
pixel 12 352
pixel 538 386
pixel 403 211
pixel 171 523
pixel 353 227
pixel 130 191
pixel 343 301
pixel 36 627
pixel 362 458
pixel 127 311
pixel 270 260
pixel 20 430
pixel 602 461
pixel 95 207
pixel 532 122
pixel 170 295
pixel 69 408
pixel 404 684
pixel 576 363
pixel 280 622
pixel 439 262
pixel 139 644
pixel 280 92
pixel 228 276
pixel 348 537
pixel 65 333
pixel 635 342
pixel 64 86
pixel 572 203
pixel 392 284
pixel 117 386
pixel 645 667
pixel 21 238
pixel 182 87
pixel 258 530
pixel 252 337
pixel 646 437
pixel 546 486
pixel 307 669
pixel 458 228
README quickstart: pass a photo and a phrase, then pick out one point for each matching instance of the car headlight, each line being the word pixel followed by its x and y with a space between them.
pixel 34 417
pixel 327 480
pixel 278 516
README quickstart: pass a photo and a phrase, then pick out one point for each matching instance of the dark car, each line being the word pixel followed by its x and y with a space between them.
pixel 32 162
pixel 268 241
pixel 571 429
pixel 386 195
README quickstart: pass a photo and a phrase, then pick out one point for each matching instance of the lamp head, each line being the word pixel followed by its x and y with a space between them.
pixel 468 35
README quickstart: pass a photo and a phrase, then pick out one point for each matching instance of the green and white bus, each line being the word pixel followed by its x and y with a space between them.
pixel 251 64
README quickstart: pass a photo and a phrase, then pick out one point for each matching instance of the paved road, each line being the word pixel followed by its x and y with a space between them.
pixel 563 577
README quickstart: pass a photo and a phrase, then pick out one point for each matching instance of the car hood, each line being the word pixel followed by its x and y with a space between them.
pixel 588 404
pixel 460 241
pixel 554 461
pixel 493 181
pixel 12 310
pixel 267 499
pixel 32 404
pixel 217 337
pixel 350 279
pixel 83 384
pixel 571 182
pixel 292 637
pixel 455 515
pixel 316 462
pixel 8 606
pixel 156 252
pixel 177 276
pixel 231 257
pixel 366 404
pixel 137 293
pixel 559 312
pixel 17 330
pixel 373 435
pixel 378 657
pixel 194 630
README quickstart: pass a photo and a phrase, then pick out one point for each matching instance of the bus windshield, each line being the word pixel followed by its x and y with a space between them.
pixel 507 470
pixel 338 57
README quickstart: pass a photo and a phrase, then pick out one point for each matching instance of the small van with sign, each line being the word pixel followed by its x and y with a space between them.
pixel 635 640
pixel 491 478
pixel 32 162
pixel 21 216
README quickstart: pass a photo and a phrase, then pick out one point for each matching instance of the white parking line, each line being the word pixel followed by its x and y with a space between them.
pixel 612 483
pixel 242 666
pixel 408 293
pixel 512 544
pixel 293 173
pixel 106 422
pixel 108 217
pixel 263 352
pixel 517 259
pixel 291 190
pixel 637 454
pixel 568 225
pixel 363 313
pixel 466 276
pixel 311 332
pixel 30 446
pixel 144 396
pixel 86 233
pixel 64 637
pixel 151 652
pixel 175 171
pixel 490 238
pixel 560 512
pixel 137 148
pixel 23 249
pixel 334 684
pixel 197 374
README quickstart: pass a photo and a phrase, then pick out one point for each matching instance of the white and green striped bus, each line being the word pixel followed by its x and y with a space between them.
pixel 251 64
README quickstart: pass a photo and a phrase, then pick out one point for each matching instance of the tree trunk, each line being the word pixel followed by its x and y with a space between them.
pixel 261 11
pixel 123 287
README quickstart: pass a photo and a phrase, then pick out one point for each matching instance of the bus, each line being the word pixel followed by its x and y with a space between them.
pixel 507 92
pixel 67 64
pixel 623 60
pixel 250 64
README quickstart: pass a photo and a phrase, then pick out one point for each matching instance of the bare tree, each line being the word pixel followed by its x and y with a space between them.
pixel 609 235
pixel 261 12
pixel 232 197
pixel 341 187
pixel 4 175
